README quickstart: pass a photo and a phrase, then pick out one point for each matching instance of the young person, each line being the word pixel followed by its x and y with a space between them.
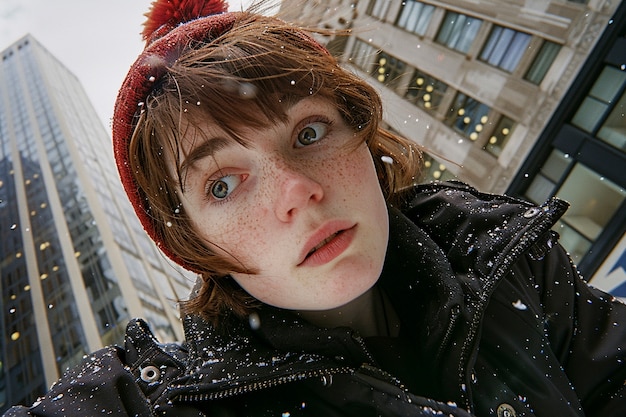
pixel 330 284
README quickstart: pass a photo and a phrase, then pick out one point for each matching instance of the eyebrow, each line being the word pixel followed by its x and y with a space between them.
pixel 208 148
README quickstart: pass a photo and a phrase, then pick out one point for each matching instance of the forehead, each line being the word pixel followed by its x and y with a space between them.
pixel 208 138
pixel 242 126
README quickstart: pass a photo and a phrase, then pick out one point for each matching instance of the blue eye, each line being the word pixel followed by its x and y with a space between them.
pixel 311 133
pixel 224 186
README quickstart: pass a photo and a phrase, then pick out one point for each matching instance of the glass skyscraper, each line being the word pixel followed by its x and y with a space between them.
pixel 75 264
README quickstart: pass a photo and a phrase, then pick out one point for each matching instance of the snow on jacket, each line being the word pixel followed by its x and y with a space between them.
pixel 497 318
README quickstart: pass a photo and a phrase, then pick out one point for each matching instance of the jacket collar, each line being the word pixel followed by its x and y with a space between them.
pixel 478 231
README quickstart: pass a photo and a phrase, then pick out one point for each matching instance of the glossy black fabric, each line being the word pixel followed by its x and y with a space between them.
pixel 491 308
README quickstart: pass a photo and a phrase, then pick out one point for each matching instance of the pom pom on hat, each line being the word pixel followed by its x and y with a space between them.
pixel 165 15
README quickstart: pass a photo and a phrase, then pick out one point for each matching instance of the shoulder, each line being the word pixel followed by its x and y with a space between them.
pixel 455 198
pixel 478 229
pixel 456 207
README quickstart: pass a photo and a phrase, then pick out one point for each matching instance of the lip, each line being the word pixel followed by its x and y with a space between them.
pixel 344 234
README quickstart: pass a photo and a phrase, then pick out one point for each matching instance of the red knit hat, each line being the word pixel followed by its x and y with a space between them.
pixel 170 27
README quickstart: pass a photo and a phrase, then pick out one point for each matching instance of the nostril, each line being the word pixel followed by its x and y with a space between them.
pixel 296 192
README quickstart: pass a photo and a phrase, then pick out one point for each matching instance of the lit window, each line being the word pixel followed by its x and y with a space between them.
pixel 505 48
pixel 425 91
pixel 467 116
pixel 415 16
pixel 458 31
pixel 500 136
pixel 435 170
pixel 388 69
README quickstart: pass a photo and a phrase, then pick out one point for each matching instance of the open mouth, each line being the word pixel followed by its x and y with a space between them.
pixel 323 242
pixel 330 247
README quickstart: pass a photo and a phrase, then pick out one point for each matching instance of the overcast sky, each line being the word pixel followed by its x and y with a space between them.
pixel 97 40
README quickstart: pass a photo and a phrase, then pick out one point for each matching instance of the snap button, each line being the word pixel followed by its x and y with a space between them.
pixel 150 374
pixel 532 212
pixel 506 410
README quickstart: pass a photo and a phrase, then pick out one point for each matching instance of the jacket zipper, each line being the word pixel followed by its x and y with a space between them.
pixel 325 374
pixel 268 383
pixel 522 245
pixel 454 315
pixel 373 368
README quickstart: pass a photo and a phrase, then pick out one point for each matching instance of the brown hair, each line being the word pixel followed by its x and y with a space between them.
pixel 257 69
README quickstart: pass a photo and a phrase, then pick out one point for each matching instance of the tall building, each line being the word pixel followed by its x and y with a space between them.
pixel 525 97
pixel 581 157
pixel 75 264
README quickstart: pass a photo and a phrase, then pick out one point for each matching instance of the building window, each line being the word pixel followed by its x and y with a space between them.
pixel 435 170
pixel 363 55
pixel 505 48
pixel 602 111
pixel 415 16
pixel 467 116
pixel 425 91
pixel 500 136
pixel 378 8
pixel 458 31
pixel 613 130
pixel 542 62
pixel 594 201
pixel 388 69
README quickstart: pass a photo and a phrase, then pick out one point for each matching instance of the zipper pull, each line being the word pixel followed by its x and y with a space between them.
pixel 327 380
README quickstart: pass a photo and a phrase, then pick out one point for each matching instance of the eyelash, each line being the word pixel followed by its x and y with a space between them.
pixel 310 121
pixel 211 183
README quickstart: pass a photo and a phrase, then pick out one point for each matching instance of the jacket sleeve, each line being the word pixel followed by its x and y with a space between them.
pixel 113 381
pixel 101 384
pixel 587 330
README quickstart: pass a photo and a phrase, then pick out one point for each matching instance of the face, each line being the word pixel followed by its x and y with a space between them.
pixel 300 204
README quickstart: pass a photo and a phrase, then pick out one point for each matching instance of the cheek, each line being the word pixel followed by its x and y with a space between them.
pixel 358 171
pixel 239 234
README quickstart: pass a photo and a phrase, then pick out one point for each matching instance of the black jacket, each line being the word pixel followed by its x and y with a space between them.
pixel 495 321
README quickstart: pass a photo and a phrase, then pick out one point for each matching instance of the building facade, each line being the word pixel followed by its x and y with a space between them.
pixel 581 157
pixel 524 97
pixel 75 264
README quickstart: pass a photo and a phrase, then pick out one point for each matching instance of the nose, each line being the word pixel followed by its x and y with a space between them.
pixel 295 193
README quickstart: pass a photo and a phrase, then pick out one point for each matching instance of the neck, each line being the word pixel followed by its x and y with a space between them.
pixel 370 314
